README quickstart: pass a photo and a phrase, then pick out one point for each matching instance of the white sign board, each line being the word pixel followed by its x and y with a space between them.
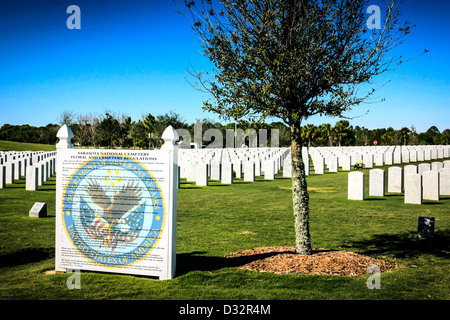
pixel 114 211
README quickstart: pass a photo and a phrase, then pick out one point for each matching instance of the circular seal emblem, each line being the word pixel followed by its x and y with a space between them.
pixel 113 210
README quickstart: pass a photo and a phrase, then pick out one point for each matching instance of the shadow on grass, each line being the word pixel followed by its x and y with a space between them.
pixel 427 203
pixel 25 256
pixel 404 245
pixel 197 261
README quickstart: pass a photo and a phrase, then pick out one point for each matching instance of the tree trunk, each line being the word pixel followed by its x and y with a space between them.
pixel 300 195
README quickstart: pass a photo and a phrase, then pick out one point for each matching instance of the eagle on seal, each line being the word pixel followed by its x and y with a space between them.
pixel 113 221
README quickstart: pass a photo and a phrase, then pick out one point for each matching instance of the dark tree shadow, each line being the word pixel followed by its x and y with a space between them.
pixel 25 256
pixel 404 245
pixel 196 261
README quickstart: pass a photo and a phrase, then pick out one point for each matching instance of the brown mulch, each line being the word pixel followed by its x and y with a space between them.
pixel 282 260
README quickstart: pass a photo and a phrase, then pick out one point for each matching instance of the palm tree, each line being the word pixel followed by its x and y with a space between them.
pixel 341 130
pixel 327 130
pixel 149 125
pixel 404 132
pixel 309 132
pixel 388 137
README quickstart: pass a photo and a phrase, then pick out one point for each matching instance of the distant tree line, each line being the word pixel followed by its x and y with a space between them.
pixel 120 131
pixel 27 133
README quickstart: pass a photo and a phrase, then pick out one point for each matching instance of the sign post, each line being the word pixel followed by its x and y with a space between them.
pixel 116 209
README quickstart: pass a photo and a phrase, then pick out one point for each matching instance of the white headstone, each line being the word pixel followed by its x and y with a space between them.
pixel 413 155
pixel 257 167
pixel 9 172
pixel 356 185
pixel 41 179
pixel 287 167
pixel 397 155
pixel 269 170
pixel 332 164
pixel 427 154
pixel 413 188
pixel 444 182
pixel 216 170
pixel 405 156
pixel 249 171
pixel 39 210
pixel 424 167
pixel 420 155
pixel 368 160
pixel 408 169
pixel 227 173
pixel 430 185
pixel 2 176
pixel 376 183
pixel 395 179
pixel 345 162
pixel 434 154
pixel 388 158
pixel 378 159
pixel 238 168
pixel 437 165
pixel 17 169
pixel 319 165
pixel 201 174
pixel 446 164
pixel 305 158
pixel 32 178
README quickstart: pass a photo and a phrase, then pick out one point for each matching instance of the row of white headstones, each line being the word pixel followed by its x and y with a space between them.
pixel 202 165
pixel 425 181
pixel 36 166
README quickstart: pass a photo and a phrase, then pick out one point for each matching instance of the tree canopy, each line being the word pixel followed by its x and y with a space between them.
pixel 291 60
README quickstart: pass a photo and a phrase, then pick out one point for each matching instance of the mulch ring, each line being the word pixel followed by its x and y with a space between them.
pixel 283 260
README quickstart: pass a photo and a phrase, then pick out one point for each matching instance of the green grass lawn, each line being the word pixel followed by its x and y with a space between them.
pixel 217 220
pixel 19 146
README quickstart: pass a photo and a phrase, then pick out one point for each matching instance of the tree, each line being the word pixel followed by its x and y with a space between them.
pixel 67 117
pixel 291 60
pixel 309 132
pixel 388 137
pixel 445 136
pixel 362 136
pixel 126 140
pixel 341 130
pixel 138 134
pixel 149 126
pixel 404 132
pixel 107 130
pixel 83 130
pixel 413 137
pixel 434 135
pixel 163 121
pixel 327 132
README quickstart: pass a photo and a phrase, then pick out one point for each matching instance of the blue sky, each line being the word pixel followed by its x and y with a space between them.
pixel 131 57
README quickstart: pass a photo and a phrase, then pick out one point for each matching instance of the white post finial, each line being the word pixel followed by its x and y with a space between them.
pixel 65 135
pixel 170 137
